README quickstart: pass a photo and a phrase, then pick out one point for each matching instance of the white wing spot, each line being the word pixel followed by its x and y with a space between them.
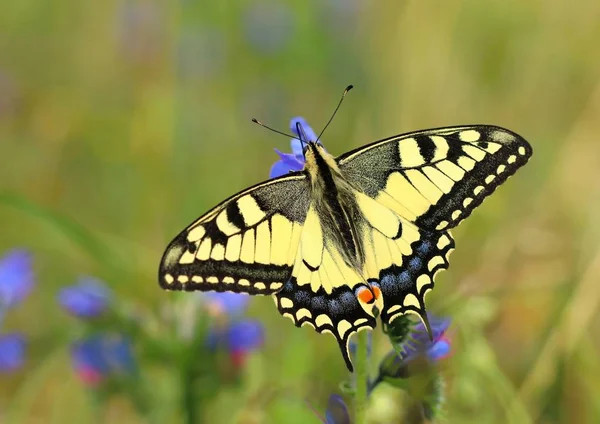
pixel 343 328
pixel 183 279
pixel 521 150
pixel 467 202
pixel 303 313
pixel 442 225
pixel 477 190
pixel 501 169
pixel 286 303
pixel 493 147
pixel 323 320
pixel 424 279
pixel 411 300
pixel 260 286
pixel 394 308
pixel 244 282
pixel 197 279
pixel 456 214
pixel 443 242
pixel 466 163
pixel 196 233
pixel 169 278
pixel 489 179
pixel 469 135
pixel 512 159
pixel 275 286
pixel 360 321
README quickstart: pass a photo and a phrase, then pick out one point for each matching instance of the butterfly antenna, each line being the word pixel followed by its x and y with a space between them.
pixel 256 121
pixel 350 87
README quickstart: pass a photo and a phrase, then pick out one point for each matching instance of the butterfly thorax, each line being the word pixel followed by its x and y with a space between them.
pixel 333 201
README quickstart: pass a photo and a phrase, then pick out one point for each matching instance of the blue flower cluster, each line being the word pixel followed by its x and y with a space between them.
pixel 101 354
pixel 16 282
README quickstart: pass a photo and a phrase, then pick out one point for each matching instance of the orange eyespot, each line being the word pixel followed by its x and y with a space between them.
pixel 376 291
pixel 365 295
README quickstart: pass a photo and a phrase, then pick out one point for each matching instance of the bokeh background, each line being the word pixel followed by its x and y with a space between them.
pixel 121 121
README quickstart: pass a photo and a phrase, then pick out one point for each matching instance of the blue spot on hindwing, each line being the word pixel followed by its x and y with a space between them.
pixel 415 264
pixel 424 248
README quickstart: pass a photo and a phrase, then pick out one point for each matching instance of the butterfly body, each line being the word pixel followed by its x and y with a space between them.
pixel 347 240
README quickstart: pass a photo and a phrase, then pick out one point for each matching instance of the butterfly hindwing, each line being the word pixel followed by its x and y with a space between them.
pixel 247 244
pixel 404 287
pixel 435 178
pixel 321 292
pixel 401 257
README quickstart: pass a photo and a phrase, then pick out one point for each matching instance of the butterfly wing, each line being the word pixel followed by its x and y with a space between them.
pixel 430 181
pixel 246 244
pixel 435 178
pixel 322 290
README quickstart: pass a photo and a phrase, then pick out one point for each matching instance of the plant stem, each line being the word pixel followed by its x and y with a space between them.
pixel 189 398
pixel 361 368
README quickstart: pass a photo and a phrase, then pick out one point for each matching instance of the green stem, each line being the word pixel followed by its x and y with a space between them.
pixel 361 368
pixel 189 398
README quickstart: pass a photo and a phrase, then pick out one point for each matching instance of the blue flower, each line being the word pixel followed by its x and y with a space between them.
pixel 16 277
pixel 238 339
pixel 418 340
pixel 226 303
pixel 396 365
pixel 294 161
pixel 337 411
pixel 12 351
pixel 88 298
pixel 102 356
pixel 245 336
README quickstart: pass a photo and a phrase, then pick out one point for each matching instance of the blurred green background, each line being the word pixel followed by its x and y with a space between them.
pixel 122 121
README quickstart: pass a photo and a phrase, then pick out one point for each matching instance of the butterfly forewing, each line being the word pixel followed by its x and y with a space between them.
pixel 435 178
pixel 247 244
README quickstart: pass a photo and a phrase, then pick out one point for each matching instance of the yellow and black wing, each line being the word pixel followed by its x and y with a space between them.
pixel 435 178
pixel 323 291
pixel 430 180
pixel 246 244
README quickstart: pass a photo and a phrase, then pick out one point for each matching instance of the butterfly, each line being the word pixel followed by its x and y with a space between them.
pixel 347 240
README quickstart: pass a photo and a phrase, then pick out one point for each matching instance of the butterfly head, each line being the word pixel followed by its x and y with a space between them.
pixel 304 134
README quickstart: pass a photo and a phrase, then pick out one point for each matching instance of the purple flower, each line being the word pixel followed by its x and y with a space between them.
pixel 245 336
pixel 88 298
pixel 102 356
pixel 240 336
pixel 396 366
pixel 16 277
pixel 238 339
pixel 289 162
pixel 418 340
pixel 337 411
pixel 226 303
pixel 12 352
